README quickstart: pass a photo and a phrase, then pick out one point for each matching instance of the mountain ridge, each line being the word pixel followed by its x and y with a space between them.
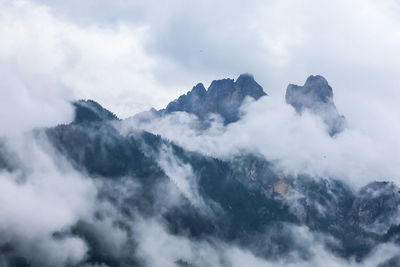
pixel 245 194
pixel 241 200
pixel 222 97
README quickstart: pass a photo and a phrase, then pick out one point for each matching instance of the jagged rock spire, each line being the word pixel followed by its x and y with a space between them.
pixel 223 97
pixel 316 95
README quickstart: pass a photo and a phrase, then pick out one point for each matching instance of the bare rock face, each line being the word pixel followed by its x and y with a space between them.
pixel 223 97
pixel 376 207
pixel 316 95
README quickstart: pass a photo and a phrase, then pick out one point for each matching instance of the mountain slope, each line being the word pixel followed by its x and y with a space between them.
pixel 240 200
pixel 243 197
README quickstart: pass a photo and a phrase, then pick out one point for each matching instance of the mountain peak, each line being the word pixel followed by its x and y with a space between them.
pixel 319 86
pixel 199 89
pixel 249 86
pixel 245 80
pixel 91 111
pixel 315 90
pixel 221 88
pixel 223 97
pixel 316 95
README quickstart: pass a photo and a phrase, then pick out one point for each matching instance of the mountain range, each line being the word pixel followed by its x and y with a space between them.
pixel 242 200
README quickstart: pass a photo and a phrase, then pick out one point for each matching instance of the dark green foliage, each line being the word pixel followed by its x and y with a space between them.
pixel 101 150
pixel 10 258
pixel 91 111
pixel 100 252
pixel 248 202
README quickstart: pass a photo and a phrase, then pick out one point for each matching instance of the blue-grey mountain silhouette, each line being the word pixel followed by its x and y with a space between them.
pixel 316 95
pixel 248 202
pixel 223 97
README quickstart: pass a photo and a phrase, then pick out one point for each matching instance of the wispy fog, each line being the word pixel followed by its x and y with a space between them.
pixel 40 200
pixel 295 143
pixel 131 56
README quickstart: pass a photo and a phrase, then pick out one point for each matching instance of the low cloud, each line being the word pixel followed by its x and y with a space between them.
pixel 50 55
pixel 295 143
pixel 181 175
pixel 45 60
pixel 38 202
pixel 157 247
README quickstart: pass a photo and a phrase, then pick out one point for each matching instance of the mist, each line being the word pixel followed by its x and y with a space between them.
pixel 134 56
pixel 297 144
pixel 42 196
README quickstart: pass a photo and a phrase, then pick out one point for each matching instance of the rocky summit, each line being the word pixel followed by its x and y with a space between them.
pixel 223 97
pixel 316 96
pixel 242 200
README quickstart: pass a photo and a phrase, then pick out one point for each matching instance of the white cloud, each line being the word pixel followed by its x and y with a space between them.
pixel 181 175
pixel 43 197
pixel 296 144
pixel 48 60
pixel 159 248
pixel 132 56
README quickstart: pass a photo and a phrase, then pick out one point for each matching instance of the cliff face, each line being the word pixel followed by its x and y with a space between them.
pixel 316 95
pixel 242 199
pixel 223 97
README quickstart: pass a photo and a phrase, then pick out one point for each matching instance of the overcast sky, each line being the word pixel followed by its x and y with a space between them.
pixel 134 55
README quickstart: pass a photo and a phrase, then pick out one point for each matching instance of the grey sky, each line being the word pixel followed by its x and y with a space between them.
pixel 134 55
pixel 131 55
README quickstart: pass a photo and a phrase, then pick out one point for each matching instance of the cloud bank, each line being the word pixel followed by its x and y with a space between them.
pixel 39 200
pixel 133 56
pixel 297 144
